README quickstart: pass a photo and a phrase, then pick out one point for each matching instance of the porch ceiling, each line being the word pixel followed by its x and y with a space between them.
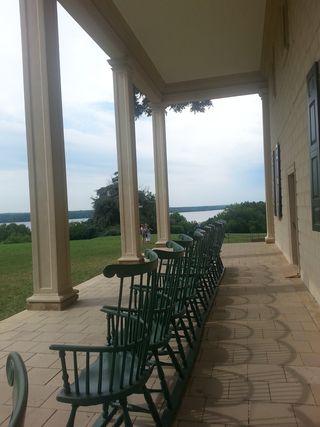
pixel 192 39
pixel 183 49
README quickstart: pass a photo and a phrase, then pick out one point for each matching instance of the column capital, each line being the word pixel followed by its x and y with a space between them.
pixel 263 93
pixel 120 64
pixel 157 106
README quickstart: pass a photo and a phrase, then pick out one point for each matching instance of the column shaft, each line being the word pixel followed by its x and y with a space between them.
pixel 161 174
pixel 46 157
pixel 127 162
pixel 270 238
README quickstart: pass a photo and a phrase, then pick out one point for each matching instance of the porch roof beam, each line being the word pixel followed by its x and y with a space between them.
pixel 213 88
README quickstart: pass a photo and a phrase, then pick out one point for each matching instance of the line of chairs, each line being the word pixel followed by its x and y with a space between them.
pixel 161 308
pixel 157 321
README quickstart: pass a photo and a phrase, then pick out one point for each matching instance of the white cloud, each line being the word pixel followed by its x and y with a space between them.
pixel 210 154
pixel 11 86
pixel 14 190
pixel 86 76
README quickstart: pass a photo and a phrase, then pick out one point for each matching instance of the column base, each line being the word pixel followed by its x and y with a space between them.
pixel 52 302
pixel 131 260
pixel 268 239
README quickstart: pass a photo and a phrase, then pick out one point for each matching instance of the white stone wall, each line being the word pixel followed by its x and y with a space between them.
pixel 289 121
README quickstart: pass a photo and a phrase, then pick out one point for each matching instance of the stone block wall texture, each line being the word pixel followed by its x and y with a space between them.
pixel 286 68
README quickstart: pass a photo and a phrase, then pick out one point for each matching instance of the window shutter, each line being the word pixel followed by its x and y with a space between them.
pixel 274 180
pixel 314 140
pixel 277 191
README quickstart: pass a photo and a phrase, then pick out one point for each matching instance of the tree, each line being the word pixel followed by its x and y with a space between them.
pixel 246 217
pixel 106 206
pixel 142 105
pixel 179 224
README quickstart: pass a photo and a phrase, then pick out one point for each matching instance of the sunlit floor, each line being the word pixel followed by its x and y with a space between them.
pixel 259 362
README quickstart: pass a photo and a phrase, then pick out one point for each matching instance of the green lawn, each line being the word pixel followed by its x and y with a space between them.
pixel 88 258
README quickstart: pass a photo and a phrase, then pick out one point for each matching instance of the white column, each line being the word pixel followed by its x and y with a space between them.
pixel 270 238
pixel 161 173
pixel 46 158
pixel 127 162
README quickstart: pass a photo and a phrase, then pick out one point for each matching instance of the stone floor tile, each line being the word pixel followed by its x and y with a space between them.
pixel 248 391
pixel 315 388
pixel 303 374
pixel 265 413
pixel 293 392
pixel 21 346
pixel 38 394
pixel 5 412
pixel 197 424
pixel 208 387
pixel 42 376
pixel 42 360
pixel 37 417
pixel 268 372
pixel 307 415
pixel 310 359
pixel 60 418
pixel 285 358
pixel 230 373
pixel 191 409
pixel 202 369
pixel 225 414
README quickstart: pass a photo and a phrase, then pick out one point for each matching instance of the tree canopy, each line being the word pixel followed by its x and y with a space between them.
pixel 106 206
pixel 142 105
pixel 246 217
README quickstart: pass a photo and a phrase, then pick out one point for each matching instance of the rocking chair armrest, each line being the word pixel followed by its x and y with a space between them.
pixel 80 348
pixel 112 309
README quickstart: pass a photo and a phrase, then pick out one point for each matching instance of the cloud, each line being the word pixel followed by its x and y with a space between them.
pixel 213 155
pixel 86 76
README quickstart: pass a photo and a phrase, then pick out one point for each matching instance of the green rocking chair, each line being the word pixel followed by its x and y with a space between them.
pixel 112 372
pixel 18 380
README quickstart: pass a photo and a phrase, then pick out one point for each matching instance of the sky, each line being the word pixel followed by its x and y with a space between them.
pixel 213 158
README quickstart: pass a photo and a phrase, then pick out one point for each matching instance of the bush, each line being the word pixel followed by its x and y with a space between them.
pixel 113 231
pixel 82 230
pixel 179 224
pixel 246 217
pixel 177 229
pixel 14 233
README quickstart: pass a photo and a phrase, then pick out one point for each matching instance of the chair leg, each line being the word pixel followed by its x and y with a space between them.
pixel 152 407
pixel 190 323
pixel 196 312
pixel 186 333
pixel 162 379
pixel 175 361
pixel 180 346
pixel 124 405
pixel 72 416
pixel 106 415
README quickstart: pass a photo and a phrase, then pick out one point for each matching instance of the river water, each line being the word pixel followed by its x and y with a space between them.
pixel 28 223
pixel 198 216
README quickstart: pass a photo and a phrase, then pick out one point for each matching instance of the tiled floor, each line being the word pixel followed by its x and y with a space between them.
pixel 259 362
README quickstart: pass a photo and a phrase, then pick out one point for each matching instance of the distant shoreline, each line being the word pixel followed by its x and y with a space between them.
pixel 25 216
pixel 197 208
